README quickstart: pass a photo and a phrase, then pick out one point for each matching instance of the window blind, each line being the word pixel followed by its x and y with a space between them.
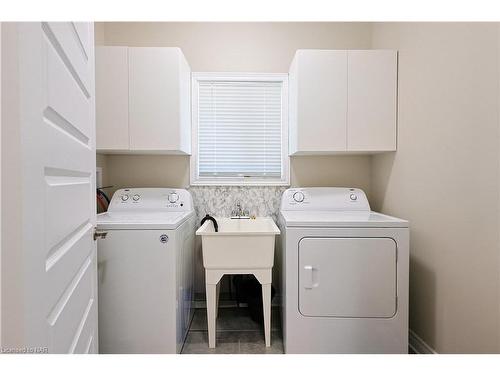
pixel 239 129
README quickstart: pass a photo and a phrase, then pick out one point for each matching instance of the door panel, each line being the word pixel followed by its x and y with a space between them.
pixel 63 264
pixel 83 36
pixel 62 36
pixel 56 80
pixel 67 102
pixel 85 342
pixel 71 311
pixel 61 192
pixel 347 277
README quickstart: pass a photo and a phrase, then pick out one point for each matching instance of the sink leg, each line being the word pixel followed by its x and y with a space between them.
pixel 217 299
pixel 266 303
pixel 211 313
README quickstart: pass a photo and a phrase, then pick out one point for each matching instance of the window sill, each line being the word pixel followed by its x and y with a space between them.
pixel 239 183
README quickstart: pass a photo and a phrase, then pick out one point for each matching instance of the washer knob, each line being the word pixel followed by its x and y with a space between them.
pixel 136 197
pixel 298 196
pixel 353 197
pixel 173 197
pixel 125 197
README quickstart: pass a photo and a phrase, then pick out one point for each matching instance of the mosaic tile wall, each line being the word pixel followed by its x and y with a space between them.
pixel 221 200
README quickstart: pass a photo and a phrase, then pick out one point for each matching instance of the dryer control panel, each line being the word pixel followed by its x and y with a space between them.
pixel 145 199
pixel 324 199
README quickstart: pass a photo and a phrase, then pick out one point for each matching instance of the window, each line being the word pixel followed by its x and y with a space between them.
pixel 240 129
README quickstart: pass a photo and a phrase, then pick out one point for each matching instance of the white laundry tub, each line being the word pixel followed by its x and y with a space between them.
pixel 239 243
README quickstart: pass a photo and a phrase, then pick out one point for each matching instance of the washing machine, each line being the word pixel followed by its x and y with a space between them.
pixel 145 271
pixel 344 274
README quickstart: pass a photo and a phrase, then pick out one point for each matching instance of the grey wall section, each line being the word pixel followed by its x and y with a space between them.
pixel 239 46
pixel 444 179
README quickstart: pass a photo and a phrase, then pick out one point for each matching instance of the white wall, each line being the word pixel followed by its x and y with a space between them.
pixel 444 179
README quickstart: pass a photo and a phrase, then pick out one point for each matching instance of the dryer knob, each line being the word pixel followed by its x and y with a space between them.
pixel 173 197
pixel 353 197
pixel 125 197
pixel 298 196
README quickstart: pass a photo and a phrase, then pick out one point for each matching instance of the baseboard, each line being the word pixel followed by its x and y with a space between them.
pixel 418 345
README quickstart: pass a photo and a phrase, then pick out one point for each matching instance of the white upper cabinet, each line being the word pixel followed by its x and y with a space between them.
pixel 342 101
pixel 111 86
pixel 143 100
pixel 159 100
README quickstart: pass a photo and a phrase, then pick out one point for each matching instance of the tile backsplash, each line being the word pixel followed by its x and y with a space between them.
pixel 221 200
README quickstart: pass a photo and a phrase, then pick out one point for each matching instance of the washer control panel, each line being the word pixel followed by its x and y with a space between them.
pixel 324 198
pixel 143 199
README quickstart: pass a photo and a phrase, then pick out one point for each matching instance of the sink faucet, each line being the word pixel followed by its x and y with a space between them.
pixel 239 213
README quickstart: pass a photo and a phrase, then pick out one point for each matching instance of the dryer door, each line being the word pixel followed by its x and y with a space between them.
pixel 347 277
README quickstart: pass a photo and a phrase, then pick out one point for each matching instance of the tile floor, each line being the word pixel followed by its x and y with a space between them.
pixel 237 333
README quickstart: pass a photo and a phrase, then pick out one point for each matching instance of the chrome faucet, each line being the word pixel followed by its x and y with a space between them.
pixel 239 212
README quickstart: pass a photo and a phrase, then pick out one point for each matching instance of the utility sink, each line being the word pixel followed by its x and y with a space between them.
pixel 241 246
pixel 239 243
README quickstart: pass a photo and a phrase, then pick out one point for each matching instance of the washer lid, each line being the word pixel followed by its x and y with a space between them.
pixel 142 220
pixel 333 219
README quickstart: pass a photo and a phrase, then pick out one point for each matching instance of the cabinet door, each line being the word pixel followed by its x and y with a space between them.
pixel 111 83
pixel 321 101
pixel 372 87
pixel 156 121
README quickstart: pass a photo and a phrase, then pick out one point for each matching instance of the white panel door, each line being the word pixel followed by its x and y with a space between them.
pixel 347 277
pixel 57 109
pixel 372 96
pixel 112 98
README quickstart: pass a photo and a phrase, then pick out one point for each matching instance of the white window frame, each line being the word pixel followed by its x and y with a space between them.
pixel 197 77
